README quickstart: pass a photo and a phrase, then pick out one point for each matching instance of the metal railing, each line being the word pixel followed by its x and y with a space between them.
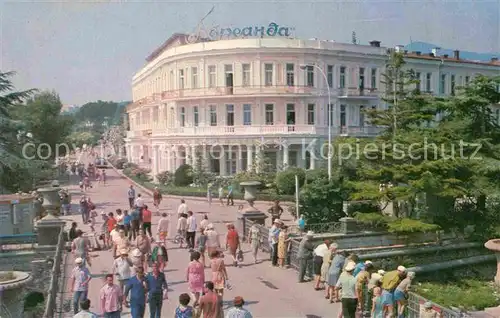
pixel 50 304
pixel 415 304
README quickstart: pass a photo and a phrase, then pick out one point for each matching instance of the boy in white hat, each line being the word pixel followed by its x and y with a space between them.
pixel 79 283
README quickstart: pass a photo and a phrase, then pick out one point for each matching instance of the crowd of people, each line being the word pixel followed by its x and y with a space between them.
pixel 136 279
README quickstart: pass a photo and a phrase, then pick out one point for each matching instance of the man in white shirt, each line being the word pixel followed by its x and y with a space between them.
pixel 204 222
pixel 122 267
pixel 318 253
pixel 183 208
pixel 139 202
pixel 191 229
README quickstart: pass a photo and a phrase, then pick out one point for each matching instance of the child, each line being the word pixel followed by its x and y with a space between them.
pixel 160 255
pixel 377 304
pixel 184 310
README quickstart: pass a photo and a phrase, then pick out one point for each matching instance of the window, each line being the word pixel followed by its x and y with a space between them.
pixel 213 115
pixel 374 78
pixel 467 80
pixel 329 75
pixel 290 74
pixel 311 114
pixel 452 84
pixel 183 117
pixel 196 116
pixel 269 114
pixel 246 74
pixel 247 114
pixel 330 112
pixel 428 86
pixel 361 116
pixel 212 76
pixel 268 74
pixel 290 114
pixel 228 71
pixel 181 79
pixel 342 116
pixel 442 84
pixel 171 81
pixel 310 76
pixel 194 77
pixel 342 77
pixel 417 78
pixel 361 78
pixel 229 115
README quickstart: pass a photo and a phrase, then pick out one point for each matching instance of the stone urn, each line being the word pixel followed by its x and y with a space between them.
pixel 494 245
pixel 50 225
pixel 12 292
pixel 250 191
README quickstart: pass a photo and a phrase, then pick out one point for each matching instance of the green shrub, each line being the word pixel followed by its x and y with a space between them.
pixel 408 226
pixel 315 174
pixel 377 220
pixel 285 180
pixel 363 207
pixel 183 176
pixel 165 178
pixel 321 201
pixel 467 294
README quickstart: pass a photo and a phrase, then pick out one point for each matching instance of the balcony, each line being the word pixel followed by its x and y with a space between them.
pixel 263 130
pixel 357 93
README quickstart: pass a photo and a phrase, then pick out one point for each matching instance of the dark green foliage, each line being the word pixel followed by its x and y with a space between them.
pixel 321 201
pixel 363 207
pixel 285 180
pixel 165 178
pixel 183 176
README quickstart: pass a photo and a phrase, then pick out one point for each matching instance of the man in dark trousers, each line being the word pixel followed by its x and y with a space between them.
pixel 305 255
pixel 131 196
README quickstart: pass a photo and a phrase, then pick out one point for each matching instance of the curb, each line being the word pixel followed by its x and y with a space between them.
pixel 150 192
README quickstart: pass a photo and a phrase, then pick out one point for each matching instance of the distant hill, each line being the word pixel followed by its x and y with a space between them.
pixel 427 48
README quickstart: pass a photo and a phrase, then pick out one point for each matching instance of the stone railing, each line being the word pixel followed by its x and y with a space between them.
pixel 51 302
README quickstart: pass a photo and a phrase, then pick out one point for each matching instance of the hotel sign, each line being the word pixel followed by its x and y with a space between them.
pixel 222 33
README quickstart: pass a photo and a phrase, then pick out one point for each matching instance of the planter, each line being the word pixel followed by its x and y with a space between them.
pixel 12 294
pixel 250 191
pixel 51 199
pixel 494 246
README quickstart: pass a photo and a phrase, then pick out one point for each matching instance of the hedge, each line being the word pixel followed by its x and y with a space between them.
pixel 202 192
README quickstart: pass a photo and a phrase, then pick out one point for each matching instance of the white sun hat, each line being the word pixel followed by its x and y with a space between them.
pixel 350 266
pixel 78 260
pixel 368 262
pixel 401 269
pixel 381 272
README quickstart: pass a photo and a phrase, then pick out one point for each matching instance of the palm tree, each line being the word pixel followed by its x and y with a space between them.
pixel 11 158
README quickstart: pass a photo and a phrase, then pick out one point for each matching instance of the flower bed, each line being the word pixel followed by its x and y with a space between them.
pixel 466 294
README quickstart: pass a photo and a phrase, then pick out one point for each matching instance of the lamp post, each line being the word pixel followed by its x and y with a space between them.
pixel 329 114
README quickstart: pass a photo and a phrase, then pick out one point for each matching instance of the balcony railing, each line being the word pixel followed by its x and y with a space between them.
pixel 250 90
pixel 258 130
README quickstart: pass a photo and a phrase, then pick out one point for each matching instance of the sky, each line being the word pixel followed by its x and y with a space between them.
pixel 88 51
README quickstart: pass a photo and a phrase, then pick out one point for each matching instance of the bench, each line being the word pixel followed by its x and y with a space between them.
pixel 27 238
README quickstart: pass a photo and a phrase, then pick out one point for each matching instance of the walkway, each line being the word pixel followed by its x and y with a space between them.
pixel 268 291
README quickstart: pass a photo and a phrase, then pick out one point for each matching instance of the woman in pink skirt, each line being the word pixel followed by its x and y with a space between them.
pixel 196 276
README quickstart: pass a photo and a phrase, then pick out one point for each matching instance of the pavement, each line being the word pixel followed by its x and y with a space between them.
pixel 268 291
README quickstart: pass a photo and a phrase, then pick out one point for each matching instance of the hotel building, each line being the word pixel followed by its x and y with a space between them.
pixel 226 102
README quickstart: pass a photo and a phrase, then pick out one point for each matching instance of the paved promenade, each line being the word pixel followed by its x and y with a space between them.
pixel 268 291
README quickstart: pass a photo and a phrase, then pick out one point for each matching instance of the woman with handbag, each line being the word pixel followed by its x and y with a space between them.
pixel 232 242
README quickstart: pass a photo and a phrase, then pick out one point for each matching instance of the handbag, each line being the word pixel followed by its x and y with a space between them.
pixel 239 256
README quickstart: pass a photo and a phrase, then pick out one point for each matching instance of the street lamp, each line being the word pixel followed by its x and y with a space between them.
pixel 329 114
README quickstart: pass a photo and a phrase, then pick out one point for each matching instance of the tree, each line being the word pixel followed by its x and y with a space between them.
pixel 285 180
pixel 14 167
pixel 44 121
pixel 321 201
pixel 115 137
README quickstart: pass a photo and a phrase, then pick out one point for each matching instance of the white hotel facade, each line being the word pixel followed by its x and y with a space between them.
pixel 226 101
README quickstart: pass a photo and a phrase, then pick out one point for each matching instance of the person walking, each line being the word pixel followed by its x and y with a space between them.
pixel 213 242
pixel 79 283
pixel 254 240
pixel 157 291
pixel 84 209
pixel 201 245
pixel 131 196
pixel 276 210
pixel 143 244
pixel 157 197
pixel 135 221
pixel 191 230
pixel 210 306
pixel 274 232
pixel 111 298
pixel 122 267
pixel 85 310
pixel 182 209
pixel 349 294
pixel 195 276
pixel 137 288
pixel 304 255
pixel 232 242
pixel 204 222
pixel 283 244
pixel 147 217
pixel 219 272
pixel 238 311
pixel 80 247
pixel 230 200
pixel 163 227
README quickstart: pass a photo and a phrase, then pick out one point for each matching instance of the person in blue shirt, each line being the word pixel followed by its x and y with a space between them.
pixel 127 219
pixel 157 290
pixel 138 288
pixel 135 218
pixel 230 195
pixel 301 223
